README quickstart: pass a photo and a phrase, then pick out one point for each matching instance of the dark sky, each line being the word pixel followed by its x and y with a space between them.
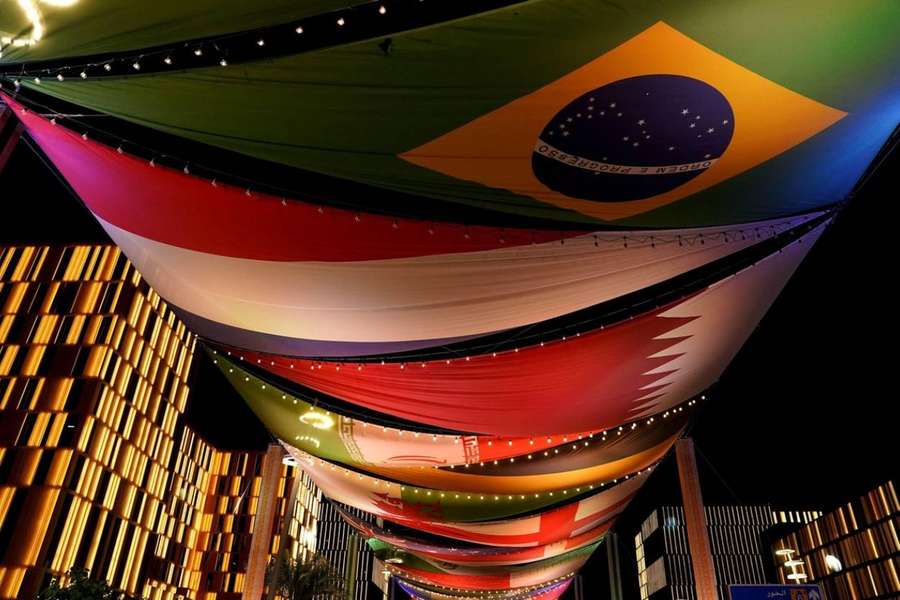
pixel 803 418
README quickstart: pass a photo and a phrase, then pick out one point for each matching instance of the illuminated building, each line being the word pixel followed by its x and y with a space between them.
pixel 737 536
pixel 347 551
pixel 98 468
pixel 851 552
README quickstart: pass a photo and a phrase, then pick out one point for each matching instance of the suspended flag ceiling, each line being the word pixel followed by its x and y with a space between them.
pixel 495 394
pixel 704 120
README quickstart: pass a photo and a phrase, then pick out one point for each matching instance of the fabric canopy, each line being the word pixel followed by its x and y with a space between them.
pixel 403 501
pixel 784 122
pixel 596 380
pixel 252 272
pixel 499 465
pixel 476 555
pixel 494 578
pixel 472 517
pixel 549 591
pixel 673 164
pixel 338 437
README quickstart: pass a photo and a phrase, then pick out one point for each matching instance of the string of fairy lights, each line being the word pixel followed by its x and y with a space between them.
pixel 367 20
pixel 322 419
pixel 413 493
pixel 525 591
pixel 511 594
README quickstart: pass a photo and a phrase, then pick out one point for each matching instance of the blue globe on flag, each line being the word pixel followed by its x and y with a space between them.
pixel 634 138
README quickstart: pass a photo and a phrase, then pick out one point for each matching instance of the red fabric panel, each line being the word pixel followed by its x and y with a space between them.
pixel 593 381
pixel 478 555
pixel 555 525
pixel 169 206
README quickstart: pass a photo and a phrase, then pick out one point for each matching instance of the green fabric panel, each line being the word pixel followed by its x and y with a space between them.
pixel 385 550
pixel 96 26
pixel 349 111
pixel 468 507
pixel 280 413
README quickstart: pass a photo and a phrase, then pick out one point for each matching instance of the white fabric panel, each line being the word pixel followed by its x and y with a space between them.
pixel 726 314
pixel 431 297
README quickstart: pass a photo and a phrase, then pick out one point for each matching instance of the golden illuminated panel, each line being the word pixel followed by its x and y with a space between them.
pixel 853 551
pixel 97 466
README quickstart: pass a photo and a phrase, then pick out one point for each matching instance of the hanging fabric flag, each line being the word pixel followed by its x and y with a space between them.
pixel 336 437
pixel 493 578
pixel 405 502
pixel 549 591
pixel 597 380
pixel 706 121
pixel 458 517
pixel 476 555
pixel 253 273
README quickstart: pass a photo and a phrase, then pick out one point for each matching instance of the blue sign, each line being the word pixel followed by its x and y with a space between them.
pixel 775 592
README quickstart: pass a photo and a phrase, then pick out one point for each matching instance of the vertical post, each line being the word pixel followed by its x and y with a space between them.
pixel 612 563
pixel 695 521
pixel 261 541
pixel 287 518
pixel 350 567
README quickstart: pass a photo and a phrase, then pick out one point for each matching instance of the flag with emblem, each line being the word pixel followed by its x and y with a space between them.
pixel 656 119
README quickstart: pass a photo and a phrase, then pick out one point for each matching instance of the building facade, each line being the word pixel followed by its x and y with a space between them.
pixel 851 552
pixel 98 468
pixel 738 543
pixel 348 552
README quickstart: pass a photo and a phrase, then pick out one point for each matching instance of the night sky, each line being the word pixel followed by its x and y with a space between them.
pixel 804 418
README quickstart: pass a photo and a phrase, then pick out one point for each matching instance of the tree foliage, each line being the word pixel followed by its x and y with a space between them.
pixel 313 579
pixel 80 586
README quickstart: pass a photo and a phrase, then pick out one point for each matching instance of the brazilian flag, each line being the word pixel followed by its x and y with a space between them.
pixel 653 113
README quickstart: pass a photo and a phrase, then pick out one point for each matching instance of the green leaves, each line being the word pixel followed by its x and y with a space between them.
pixel 305 580
pixel 80 586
